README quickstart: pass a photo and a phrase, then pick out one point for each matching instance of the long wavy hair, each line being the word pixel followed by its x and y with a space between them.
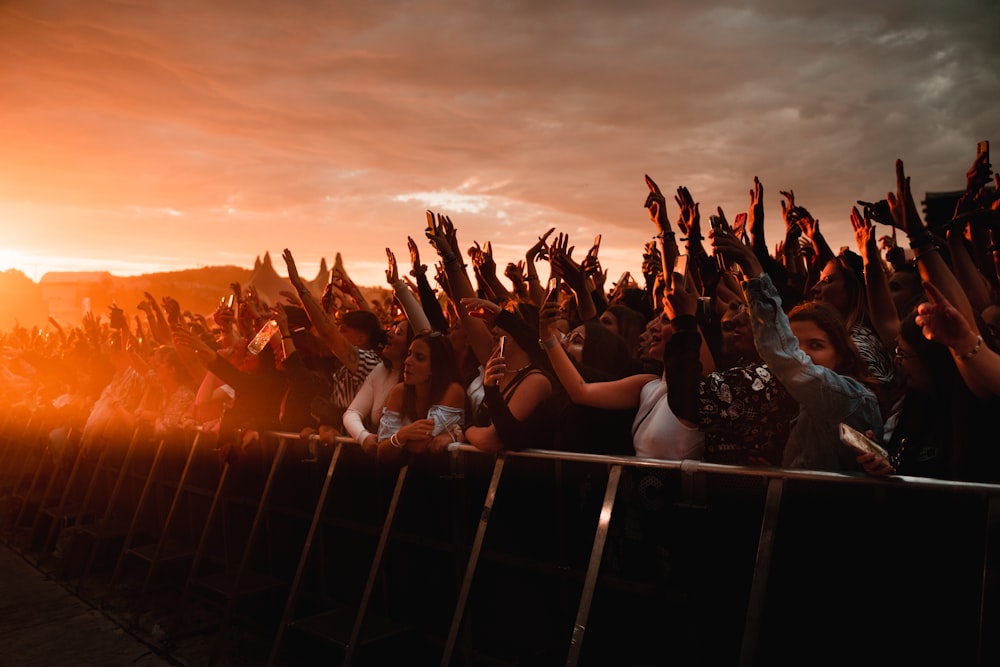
pixel 829 319
pixel 851 268
pixel 444 372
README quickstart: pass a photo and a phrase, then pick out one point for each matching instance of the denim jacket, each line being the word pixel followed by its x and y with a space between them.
pixel 825 397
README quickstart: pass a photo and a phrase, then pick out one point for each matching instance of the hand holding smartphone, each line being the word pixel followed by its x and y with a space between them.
pixel 552 295
pixel 859 441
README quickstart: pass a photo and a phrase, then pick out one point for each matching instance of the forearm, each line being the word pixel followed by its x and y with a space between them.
pixel 934 269
pixel 881 308
pixel 429 304
pixel 683 369
pixel 585 306
pixel 972 281
pixel 355 427
pixel 411 307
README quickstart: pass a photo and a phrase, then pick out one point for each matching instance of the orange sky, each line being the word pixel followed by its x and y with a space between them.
pixel 150 136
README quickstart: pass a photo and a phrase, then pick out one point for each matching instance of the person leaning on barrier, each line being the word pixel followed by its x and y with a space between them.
pixel 365 411
pixel 810 353
pixel 743 410
pixel 426 411
pixel 518 410
pixel 656 431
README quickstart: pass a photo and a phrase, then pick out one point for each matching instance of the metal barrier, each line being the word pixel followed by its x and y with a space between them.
pixel 544 557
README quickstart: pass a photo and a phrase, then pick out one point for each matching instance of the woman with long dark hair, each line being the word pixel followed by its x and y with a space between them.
pixel 425 411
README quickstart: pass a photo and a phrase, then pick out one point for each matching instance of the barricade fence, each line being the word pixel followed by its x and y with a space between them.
pixel 291 551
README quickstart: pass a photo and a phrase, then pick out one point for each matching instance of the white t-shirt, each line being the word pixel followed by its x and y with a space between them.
pixel 656 431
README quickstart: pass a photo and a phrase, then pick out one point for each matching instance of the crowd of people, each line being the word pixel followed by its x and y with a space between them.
pixel 723 350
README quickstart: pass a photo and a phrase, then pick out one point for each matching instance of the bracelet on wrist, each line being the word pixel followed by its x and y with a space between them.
pixel 286 337
pixel 663 235
pixel 922 238
pixel 548 344
pixel 974 351
pixel 394 441
pixel 923 251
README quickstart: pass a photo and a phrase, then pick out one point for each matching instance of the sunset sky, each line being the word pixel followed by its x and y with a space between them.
pixel 148 136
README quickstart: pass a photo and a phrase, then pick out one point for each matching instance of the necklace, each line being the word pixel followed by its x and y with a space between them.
pixel 515 372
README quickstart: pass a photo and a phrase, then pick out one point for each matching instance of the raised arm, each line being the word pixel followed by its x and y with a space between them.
pixel 942 322
pixel 571 273
pixel 444 238
pixel 326 327
pixel 614 395
pixel 881 309
pixel 411 306
pixel 933 268
pixel 536 289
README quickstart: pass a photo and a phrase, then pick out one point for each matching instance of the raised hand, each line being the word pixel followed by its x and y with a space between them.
pixel 656 206
pixel 679 298
pixel 789 212
pixel 483 309
pixel 293 271
pixel 173 310
pixel 734 250
pixel 392 273
pixel 416 268
pixel 514 272
pixel 755 215
pixel 438 236
pixel 807 224
pixel 902 207
pixel 864 235
pixel 540 249
pixel 689 220
pixel 943 323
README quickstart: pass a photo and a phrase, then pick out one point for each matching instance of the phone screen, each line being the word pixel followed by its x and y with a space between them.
pixel 681 268
pixel 553 289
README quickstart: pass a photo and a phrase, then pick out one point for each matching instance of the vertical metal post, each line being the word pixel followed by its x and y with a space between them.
pixel 594 566
pixel 318 511
pixel 761 571
pixel 470 570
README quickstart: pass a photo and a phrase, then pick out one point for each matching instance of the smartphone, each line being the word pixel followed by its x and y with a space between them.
pixel 503 346
pixel 983 148
pixel 597 245
pixel 877 211
pixel 740 224
pixel 859 441
pixel 231 300
pixel 681 268
pixel 716 221
pixel 553 290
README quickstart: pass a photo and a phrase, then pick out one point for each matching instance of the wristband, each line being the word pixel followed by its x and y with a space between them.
pixel 920 239
pixel 395 441
pixel 923 251
pixel 974 351
pixel 286 337
pixel 548 344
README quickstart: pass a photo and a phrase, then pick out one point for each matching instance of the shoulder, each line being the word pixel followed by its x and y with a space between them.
pixel 535 381
pixel 394 399
pixel 454 395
